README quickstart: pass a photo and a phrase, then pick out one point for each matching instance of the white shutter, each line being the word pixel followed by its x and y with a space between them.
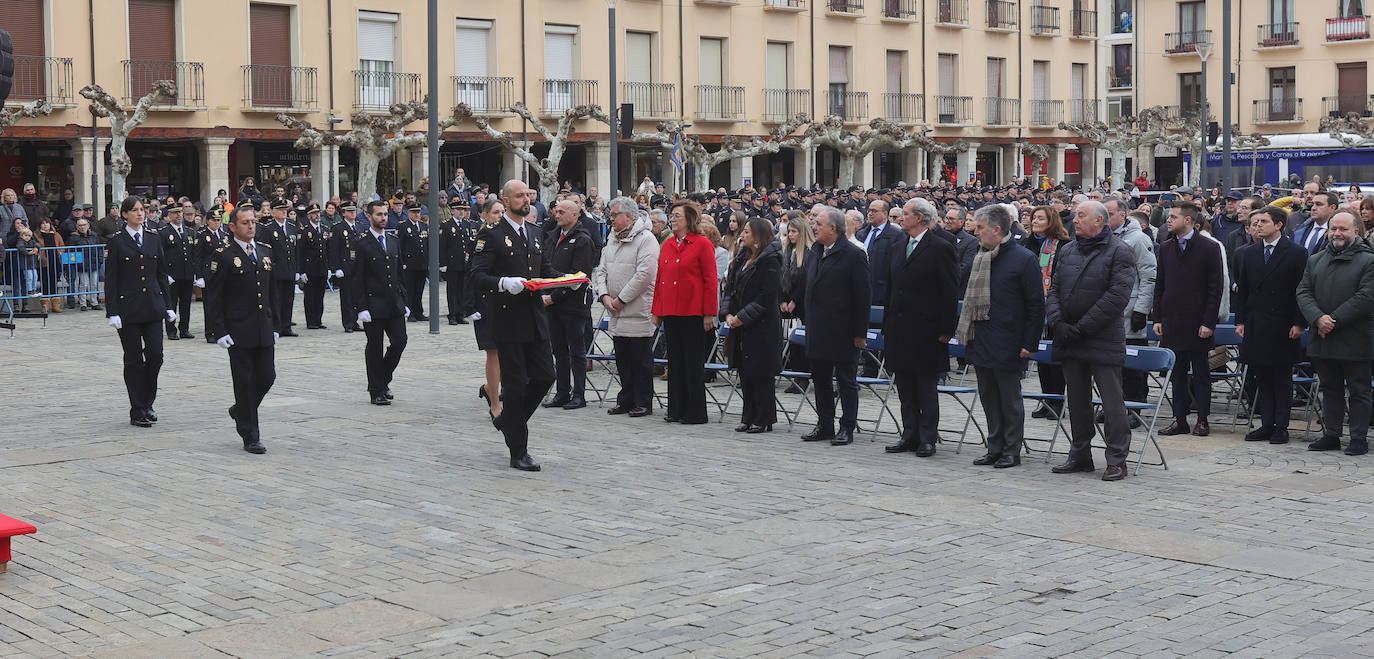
pixel 712 62
pixel 1079 82
pixel 639 57
pixel 895 65
pixel 558 56
pixel 839 65
pixel 948 84
pixel 777 66
pixel 471 51
pixel 995 66
pixel 376 40
pixel 1040 80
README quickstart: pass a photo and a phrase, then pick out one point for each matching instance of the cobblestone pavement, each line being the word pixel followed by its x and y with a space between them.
pixel 400 531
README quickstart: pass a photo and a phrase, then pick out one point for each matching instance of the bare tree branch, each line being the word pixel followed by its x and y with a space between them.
pixel 103 104
pixel 1350 130
pixel 373 136
pixel 545 168
pixel 11 116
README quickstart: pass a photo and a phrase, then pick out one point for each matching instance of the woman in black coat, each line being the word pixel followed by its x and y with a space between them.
pixel 755 322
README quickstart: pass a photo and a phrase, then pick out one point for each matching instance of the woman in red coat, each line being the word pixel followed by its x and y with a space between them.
pixel 686 300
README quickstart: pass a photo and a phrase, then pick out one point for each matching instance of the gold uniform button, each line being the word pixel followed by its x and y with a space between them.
pixel 259 306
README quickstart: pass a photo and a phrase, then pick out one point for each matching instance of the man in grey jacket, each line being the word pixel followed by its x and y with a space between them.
pixel 1336 297
pixel 1136 315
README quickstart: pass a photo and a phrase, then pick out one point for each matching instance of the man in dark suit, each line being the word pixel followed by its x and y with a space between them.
pixel 918 322
pixel 136 305
pixel 314 267
pixel 571 249
pixel 836 307
pixel 282 237
pixel 178 248
pixel 1188 292
pixel 377 296
pixel 507 254
pixel 1268 319
pixel 413 235
pixel 341 255
pixel 453 258
pixel 238 316
pixel 879 238
pixel 208 240
pixel 1311 235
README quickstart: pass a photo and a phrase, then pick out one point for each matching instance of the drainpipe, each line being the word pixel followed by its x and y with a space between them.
pixel 97 155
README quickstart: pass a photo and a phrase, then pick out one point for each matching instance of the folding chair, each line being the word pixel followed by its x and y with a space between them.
pixel 603 359
pixel 1234 381
pixel 881 387
pixel 719 363
pixel 1156 363
pixel 796 341
pixel 1041 357
pixel 955 392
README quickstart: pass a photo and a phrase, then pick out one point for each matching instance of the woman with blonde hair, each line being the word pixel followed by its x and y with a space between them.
pixel 731 237
pixel 796 238
pixel 10 210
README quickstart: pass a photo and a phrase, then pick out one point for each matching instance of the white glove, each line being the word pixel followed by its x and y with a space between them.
pixel 116 323
pixel 198 283
pixel 512 285
pixel 275 336
pixel 171 316
pixel 170 281
pixel 225 341
pixel 364 316
pixel 407 312
pixel 443 268
pixel 338 273
pixel 305 279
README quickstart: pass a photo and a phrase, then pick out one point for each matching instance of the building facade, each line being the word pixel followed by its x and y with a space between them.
pixel 997 74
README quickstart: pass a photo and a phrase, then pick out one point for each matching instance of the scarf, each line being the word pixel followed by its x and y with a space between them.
pixel 1048 247
pixel 978 296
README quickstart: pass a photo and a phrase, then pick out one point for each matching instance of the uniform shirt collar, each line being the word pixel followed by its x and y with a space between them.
pixel 246 246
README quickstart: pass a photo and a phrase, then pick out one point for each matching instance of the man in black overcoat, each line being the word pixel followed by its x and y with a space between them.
pixel 837 310
pixel 1188 292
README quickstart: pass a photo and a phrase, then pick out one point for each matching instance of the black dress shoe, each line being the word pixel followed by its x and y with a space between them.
pixel 558 401
pixel 141 422
pixel 288 333
pixel 255 448
pixel 618 410
pixel 172 336
pixel 1280 436
pixel 754 430
pixel 1259 434
pixel 693 422
pixel 925 450
pixel 460 321
pixel 380 399
pixel 1201 428
pixel 1039 413
pixel 671 419
pixel 1178 427
pixel 150 415
pixel 1357 447
pixel 742 427
pixel 1072 466
pixel 987 459
pixel 349 330
pixel 819 434
pixel 1114 473
pixel 639 412
pixel 421 317
pixel 187 335
pixel 233 412
pixel 524 463
pixel 1325 444
pixel 1007 461
pixel 576 403
pixel 900 447
pixel 453 321
pixel 389 395
pixel 843 437
pixel 496 420
pixel 354 328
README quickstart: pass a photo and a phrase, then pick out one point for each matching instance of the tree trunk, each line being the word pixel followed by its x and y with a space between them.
pixel 368 161
pixel 120 166
pixel 1118 167
pixel 701 177
pixel 846 170
pixel 1199 163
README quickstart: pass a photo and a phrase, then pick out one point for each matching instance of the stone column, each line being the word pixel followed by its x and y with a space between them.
pixel 863 171
pixel 1056 163
pixel 667 173
pixel 1011 157
pixel 419 164
pixel 214 167
pixel 803 165
pixel 598 165
pixel 968 163
pixel 913 166
pixel 511 165
pixel 88 156
pixel 740 169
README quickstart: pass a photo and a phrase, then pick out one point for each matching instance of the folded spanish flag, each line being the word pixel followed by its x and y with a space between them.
pixel 566 281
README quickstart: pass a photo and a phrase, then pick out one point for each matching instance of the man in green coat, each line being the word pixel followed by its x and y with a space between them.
pixel 1336 297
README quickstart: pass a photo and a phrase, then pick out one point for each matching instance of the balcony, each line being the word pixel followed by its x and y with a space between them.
pixel 1186 111
pixel 1044 21
pixel 375 91
pixel 485 95
pixel 1277 35
pixel 780 105
pixel 1340 106
pixel 652 100
pixel 563 95
pixel 1278 110
pixel 852 107
pixel 43 79
pixel 1084 23
pixel 1353 28
pixel 904 108
pixel 1119 77
pixel 1003 111
pixel 1046 114
pixel 1083 110
pixel 140 75
pixel 785 5
pixel 279 88
pixel 719 103
pixel 951 13
pixel 1185 43
pixel 1002 15
pixel 953 110
pixel 902 10
pixel 845 6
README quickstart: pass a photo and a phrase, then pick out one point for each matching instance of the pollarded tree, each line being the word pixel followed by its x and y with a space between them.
pixel 1350 130
pixel 122 123
pixel 373 136
pixel 1038 153
pixel 545 168
pixel 1121 137
pixel 671 133
pixel 12 116
pixel 831 132
pixel 944 150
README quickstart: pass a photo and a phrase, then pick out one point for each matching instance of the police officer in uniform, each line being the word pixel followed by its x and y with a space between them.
pixel 377 296
pixel 283 238
pixel 341 256
pixel 238 315
pixel 314 252
pixel 178 248
pixel 413 234
pixel 136 306
pixel 453 258
pixel 208 240
pixel 473 224
pixel 508 253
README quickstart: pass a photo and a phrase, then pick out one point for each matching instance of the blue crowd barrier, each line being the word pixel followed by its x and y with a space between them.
pixel 75 272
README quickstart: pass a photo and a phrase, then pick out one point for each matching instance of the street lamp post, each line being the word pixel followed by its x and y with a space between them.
pixel 614 109
pixel 1226 97
pixel 1204 50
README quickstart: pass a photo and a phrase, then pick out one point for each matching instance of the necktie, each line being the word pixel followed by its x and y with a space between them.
pixel 252 254
pixel 910 245
pixel 1268 251
pixel 138 238
pixel 868 242
pixel 1313 235
pixel 381 239
pixel 1182 244
pixel 520 232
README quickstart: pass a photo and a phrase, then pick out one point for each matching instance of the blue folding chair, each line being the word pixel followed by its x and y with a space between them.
pixel 796 340
pixel 719 363
pixel 955 392
pixel 881 387
pixel 602 359
pixel 1041 357
pixel 1225 336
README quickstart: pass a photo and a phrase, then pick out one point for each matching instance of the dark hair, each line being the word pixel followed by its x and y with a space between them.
pixel 690 213
pixel 1056 228
pixel 1332 199
pixel 373 205
pixel 489 204
pixel 128 204
pixel 762 231
pixel 1276 214
pixel 1189 210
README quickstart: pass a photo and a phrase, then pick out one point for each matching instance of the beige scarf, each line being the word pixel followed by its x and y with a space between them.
pixel 978 295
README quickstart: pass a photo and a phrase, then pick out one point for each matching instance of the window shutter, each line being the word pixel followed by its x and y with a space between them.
pixel 471 51
pixel 777 66
pixel 271 27
pixel 558 56
pixel 24 21
pixel 152 31
pixel 639 57
pixel 839 65
pixel 376 40
pixel 894 71
pixel 711 62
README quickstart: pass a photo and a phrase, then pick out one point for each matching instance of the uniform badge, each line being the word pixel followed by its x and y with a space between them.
pixel 214 266
pixel 480 245
pixel 509 243
pixel 352 255
pixel 238 263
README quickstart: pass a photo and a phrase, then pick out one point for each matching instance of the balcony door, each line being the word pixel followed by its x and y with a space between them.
pixel 1192 20
pixel 376 60
pixel 778 81
pixel 997 73
pixel 1352 89
pixel 711 98
pixel 948 106
pixel 471 52
pixel 152 45
pixel 270 55
pixel 839 81
pixel 1282 89
pixel 560 44
pixel 639 74
pixel 1189 94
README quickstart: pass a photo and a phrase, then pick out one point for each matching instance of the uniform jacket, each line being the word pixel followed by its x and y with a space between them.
pixel 629 266
pixel 339 249
pixel 453 247
pixel 1267 302
pixel 284 241
pixel 314 250
pixel 1089 292
pixel 687 283
pixel 921 306
pixel 376 285
pixel 135 278
pixel 501 252
pixel 180 251
pixel 1188 290
pixel 574 253
pixel 1340 285
pixel 208 241
pixel 239 296
pixel 837 301
pixel 1016 316
pixel 888 238
pixel 414 239
pixel 751 294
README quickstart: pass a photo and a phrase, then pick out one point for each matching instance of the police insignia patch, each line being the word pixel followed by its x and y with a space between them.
pixel 214 266
pixel 509 243
pixel 480 245
pixel 238 263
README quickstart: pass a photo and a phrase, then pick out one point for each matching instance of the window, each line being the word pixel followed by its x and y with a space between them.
pixel 1040 80
pixel 779 68
pixel 1122 19
pixel 1352 88
pixel 1192 20
pixel 997 74
pixel 1119 75
pixel 839 81
pixel 1352 8
pixel 712 101
pixel 1189 93
pixel 896 71
pixel 1282 99
pixel 270 55
pixel 950 109
pixel 560 67
pixel 639 57
pixel 472 50
pixel 1281 11
pixel 1078 81
pixel 376 58
pixel 1118 107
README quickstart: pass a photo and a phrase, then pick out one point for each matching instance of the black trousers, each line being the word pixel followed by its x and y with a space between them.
pixel 254 370
pixel 685 342
pixel 1199 394
pixel 760 400
pixel 567 337
pixel 1000 392
pixel 453 290
pixel 920 407
pixel 285 292
pixel 347 316
pixel 180 293
pixel 634 361
pixel 314 300
pixel 415 291
pixel 1273 394
pixel 142 344
pixel 826 374
pixel 382 365
pixel 1339 377
pixel 526 375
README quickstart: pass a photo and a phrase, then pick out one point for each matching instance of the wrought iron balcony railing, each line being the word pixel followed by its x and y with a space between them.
pixel 484 94
pixel 189 77
pixel 43 79
pixel 275 88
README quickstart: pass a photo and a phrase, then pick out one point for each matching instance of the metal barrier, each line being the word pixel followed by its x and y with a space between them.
pixel 73 274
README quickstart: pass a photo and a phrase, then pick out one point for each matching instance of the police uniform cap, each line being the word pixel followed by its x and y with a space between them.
pixel 413 206
pixel 348 206
pixel 313 208
pixel 278 202
pixel 301 209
